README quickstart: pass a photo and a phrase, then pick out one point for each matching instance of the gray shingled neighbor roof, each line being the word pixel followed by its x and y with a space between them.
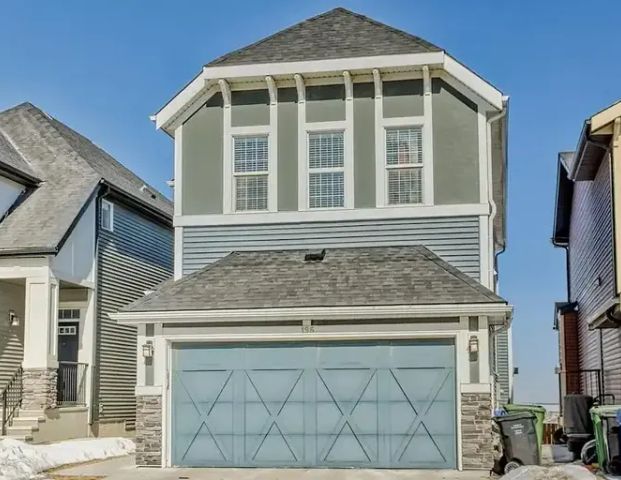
pixel 345 277
pixel 69 168
pixel 339 33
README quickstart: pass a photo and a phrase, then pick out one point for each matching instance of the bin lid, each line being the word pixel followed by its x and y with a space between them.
pixel 510 407
pixel 515 416
pixel 606 410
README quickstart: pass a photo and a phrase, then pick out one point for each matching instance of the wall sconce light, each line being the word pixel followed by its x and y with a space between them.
pixel 13 319
pixel 147 350
pixel 473 345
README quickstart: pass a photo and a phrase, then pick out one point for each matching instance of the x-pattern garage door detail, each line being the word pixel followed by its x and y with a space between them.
pixel 383 405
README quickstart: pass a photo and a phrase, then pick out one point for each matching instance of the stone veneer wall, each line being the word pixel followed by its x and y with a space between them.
pixel 39 388
pixel 476 431
pixel 149 430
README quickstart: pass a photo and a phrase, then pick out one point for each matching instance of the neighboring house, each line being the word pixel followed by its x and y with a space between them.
pixel 357 172
pixel 586 224
pixel 80 236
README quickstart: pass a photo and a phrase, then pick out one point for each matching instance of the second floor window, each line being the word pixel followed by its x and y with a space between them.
pixel 326 170
pixel 250 171
pixel 404 165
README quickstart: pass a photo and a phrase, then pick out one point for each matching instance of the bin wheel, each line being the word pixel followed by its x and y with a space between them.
pixel 512 465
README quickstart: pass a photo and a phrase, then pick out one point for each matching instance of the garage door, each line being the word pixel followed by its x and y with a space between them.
pixel 374 405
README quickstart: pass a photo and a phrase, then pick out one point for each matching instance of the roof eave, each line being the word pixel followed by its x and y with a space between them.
pixel 499 310
pixel 194 92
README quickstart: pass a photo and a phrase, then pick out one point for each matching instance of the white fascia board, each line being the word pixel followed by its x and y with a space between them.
pixel 341 214
pixel 481 87
pixel 315 313
pixel 212 74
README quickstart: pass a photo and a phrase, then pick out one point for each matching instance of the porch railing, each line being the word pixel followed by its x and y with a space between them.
pixel 12 399
pixel 71 387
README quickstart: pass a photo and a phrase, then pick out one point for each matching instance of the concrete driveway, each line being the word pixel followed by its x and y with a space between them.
pixel 123 469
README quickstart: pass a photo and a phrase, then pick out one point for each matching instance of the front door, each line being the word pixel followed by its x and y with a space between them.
pixel 68 346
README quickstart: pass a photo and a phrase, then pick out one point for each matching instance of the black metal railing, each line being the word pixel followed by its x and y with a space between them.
pixel 585 382
pixel 71 387
pixel 12 399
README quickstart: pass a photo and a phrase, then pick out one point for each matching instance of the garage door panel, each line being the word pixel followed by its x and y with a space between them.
pixel 382 404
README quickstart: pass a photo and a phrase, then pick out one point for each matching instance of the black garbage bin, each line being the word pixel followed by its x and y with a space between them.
pixel 519 440
pixel 577 421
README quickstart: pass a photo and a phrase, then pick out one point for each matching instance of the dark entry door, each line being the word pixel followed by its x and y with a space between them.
pixel 68 345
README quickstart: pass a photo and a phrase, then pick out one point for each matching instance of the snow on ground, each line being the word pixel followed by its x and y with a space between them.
pixel 21 461
pixel 562 472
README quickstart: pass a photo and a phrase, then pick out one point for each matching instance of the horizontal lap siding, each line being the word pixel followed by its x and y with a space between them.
pixel 455 239
pixel 11 338
pixel 133 258
pixel 591 263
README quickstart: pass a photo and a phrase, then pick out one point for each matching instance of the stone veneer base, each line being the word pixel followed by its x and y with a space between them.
pixel 149 430
pixel 39 388
pixel 476 431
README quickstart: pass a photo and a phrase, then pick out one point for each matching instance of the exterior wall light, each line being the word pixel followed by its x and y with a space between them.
pixel 147 350
pixel 13 319
pixel 473 345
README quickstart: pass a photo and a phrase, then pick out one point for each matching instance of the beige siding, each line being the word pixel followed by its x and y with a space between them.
pixel 11 338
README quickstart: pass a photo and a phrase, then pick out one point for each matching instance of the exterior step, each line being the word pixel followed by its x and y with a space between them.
pixel 19 430
pixel 21 438
pixel 28 421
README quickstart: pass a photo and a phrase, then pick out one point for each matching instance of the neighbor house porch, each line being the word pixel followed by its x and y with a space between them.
pixel 47 351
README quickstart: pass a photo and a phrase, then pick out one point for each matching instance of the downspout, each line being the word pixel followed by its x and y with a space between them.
pixel 493 212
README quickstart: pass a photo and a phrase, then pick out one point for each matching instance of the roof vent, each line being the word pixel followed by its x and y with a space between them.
pixel 316 256
pixel 148 191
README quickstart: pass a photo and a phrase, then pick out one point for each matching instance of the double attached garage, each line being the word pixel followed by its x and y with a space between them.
pixel 355 357
pixel 381 404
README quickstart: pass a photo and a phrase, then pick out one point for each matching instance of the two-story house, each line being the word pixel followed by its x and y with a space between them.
pixel 80 236
pixel 339 206
pixel 586 224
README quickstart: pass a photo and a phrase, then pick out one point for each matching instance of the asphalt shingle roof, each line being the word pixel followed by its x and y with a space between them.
pixel 375 276
pixel 69 168
pixel 338 33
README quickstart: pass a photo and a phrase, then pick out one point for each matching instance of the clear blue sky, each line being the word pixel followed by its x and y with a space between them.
pixel 104 66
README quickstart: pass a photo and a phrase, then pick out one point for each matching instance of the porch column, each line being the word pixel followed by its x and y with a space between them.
pixel 40 362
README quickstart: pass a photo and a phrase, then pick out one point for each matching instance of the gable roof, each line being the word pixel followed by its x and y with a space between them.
pixel 376 276
pixel 338 33
pixel 69 169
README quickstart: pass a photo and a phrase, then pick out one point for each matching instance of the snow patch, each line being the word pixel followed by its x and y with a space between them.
pixel 21 461
pixel 564 472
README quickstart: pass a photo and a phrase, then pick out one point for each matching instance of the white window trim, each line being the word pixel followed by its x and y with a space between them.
pixel 424 121
pixel 229 134
pixel 110 206
pixel 305 128
pixel 241 132
pixel 396 123
pixel 324 169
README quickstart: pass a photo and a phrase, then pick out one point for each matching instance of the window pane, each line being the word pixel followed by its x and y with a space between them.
pixel 325 190
pixel 405 186
pixel 251 192
pixel 325 150
pixel 250 154
pixel 404 145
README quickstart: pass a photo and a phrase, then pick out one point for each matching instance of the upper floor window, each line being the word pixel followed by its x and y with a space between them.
pixel 404 165
pixel 107 215
pixel 250 171
pixel 326 170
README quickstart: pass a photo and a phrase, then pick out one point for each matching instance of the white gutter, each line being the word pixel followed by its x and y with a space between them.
pixel 490 186
pixel 501 310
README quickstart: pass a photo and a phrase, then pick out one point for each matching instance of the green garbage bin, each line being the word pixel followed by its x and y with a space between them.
pixel 606 439
pixel 537 410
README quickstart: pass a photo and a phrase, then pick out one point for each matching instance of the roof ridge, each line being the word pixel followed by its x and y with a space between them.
pixel 19 151
pixel 269 37
pixel 314 18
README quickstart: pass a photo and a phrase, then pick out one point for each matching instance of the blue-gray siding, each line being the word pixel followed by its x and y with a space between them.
pixel 135 257
pixel 592 277
pixel 501 368
pixel 455 239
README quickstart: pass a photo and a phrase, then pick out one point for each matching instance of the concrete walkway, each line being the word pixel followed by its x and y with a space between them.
pixel 123 468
